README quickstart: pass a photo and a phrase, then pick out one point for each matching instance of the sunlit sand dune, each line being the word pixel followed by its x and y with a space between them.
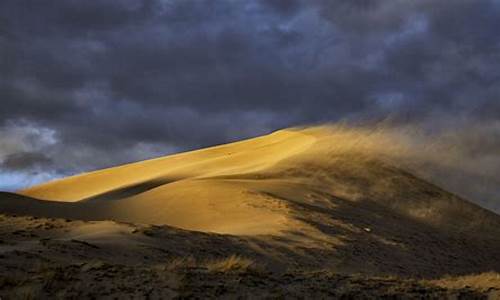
pixel 184 190
pixel 236 158
pixel 255 186
pixel 321 196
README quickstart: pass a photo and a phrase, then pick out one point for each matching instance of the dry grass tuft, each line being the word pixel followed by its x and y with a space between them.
pixel 181 263
pixel 233 263
pixel 481 282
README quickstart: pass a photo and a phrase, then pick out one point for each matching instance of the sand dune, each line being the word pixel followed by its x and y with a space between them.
pixel 236 158
pixel 315 197
pixel 254 186
pixel 184 190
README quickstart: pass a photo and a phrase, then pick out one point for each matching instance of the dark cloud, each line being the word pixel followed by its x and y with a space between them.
pixel 24 161
pixel 283 7
pixel 118 81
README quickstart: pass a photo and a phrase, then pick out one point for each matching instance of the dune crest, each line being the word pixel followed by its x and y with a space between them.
pixel 235 158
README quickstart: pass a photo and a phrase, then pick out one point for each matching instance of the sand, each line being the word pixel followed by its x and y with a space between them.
pixel 322 199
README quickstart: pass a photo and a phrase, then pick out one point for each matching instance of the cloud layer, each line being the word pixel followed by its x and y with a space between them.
pixel 106 82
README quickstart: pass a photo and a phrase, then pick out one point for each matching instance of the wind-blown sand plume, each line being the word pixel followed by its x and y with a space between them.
pixel 313 199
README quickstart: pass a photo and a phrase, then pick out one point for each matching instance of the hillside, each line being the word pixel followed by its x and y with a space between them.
pixel 314 198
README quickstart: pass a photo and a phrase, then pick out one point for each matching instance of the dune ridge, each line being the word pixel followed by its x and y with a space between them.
pixel 239 157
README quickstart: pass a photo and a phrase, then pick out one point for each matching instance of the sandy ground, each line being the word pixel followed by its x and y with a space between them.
pixel 319 205
pixel 44 258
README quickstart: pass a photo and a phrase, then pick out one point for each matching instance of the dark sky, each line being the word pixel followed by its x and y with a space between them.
pixel 90 84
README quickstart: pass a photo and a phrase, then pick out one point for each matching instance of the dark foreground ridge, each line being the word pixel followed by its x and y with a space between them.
pixel 44 258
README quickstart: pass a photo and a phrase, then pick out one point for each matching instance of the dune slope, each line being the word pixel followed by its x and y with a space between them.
pixel 183 190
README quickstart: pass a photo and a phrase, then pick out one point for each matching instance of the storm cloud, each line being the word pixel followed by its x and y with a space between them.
pixel 90 84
